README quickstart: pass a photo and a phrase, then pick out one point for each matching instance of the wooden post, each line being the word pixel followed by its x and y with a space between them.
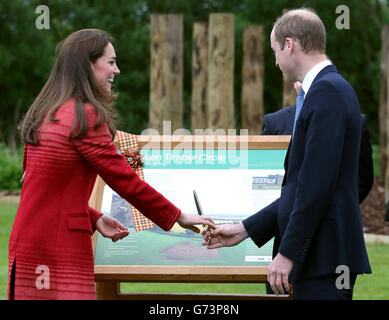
pixel 107 290
pixel 221 71
pixel 166 79
pixel 252 79
pixel 289 94
pixel 384 73
pixel 199 76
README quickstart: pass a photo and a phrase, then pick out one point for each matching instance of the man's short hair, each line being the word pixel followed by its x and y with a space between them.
pixel 303 25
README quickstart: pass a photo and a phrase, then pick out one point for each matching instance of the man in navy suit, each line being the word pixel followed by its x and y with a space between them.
pixel 317 217
pixel 281 123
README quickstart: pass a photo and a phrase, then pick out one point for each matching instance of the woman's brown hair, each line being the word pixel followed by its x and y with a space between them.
pixel 72 77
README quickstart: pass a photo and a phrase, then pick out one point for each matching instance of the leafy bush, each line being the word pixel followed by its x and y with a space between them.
pixel 10 169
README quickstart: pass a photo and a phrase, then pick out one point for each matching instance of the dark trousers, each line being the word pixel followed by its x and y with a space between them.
pixel 323 288
pixel 320 288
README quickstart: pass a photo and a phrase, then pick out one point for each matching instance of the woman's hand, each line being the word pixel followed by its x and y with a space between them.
pixel 188 221
pixel 111 228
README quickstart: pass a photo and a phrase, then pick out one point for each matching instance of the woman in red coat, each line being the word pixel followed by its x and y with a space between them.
pixel 68 133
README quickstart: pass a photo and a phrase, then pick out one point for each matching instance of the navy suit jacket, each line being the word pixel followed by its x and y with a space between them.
pixel 317 217
pixel 281 123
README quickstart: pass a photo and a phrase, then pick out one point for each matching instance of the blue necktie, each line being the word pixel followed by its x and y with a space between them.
pixel 299 104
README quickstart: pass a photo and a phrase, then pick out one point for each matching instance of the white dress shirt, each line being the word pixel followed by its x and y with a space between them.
pixel 311 74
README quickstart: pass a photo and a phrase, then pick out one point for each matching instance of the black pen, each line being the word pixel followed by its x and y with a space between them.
pixel 200 212
pixel 198 206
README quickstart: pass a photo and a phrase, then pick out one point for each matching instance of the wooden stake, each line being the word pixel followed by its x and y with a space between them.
pixel 166 80
pixel 252 79
pixel 221 71
pixel 289 94
pixel 199 76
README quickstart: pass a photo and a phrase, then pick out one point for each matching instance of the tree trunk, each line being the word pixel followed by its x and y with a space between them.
pixel 199 76
pixel 384 99
pixel 252 79
pixel 385 149
pixel 13 131
pixel 166 79
pixel 221 71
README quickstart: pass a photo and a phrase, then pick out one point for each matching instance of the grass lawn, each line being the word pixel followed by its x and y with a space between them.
pixel 368 287
pixel 7 213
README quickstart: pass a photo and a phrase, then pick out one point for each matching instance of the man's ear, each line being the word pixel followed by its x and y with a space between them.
pixel 290 44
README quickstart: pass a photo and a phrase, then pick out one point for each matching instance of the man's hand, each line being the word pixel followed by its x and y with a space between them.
pixel 226 235
pixel 278 274
pixel 111 228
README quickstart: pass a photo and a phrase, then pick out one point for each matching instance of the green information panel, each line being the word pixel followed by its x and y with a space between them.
pixel 231 185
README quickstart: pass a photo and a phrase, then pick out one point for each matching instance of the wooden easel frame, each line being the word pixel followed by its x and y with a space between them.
pixel 108 278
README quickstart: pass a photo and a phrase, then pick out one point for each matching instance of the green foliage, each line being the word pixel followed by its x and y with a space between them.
pixel 27 54
pixel 10 169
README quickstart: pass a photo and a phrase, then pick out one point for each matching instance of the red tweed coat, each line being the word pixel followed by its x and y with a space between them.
pixel 51 236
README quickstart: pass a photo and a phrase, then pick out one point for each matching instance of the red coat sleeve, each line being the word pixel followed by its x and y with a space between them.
pixel 94 215
pixel 99 151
